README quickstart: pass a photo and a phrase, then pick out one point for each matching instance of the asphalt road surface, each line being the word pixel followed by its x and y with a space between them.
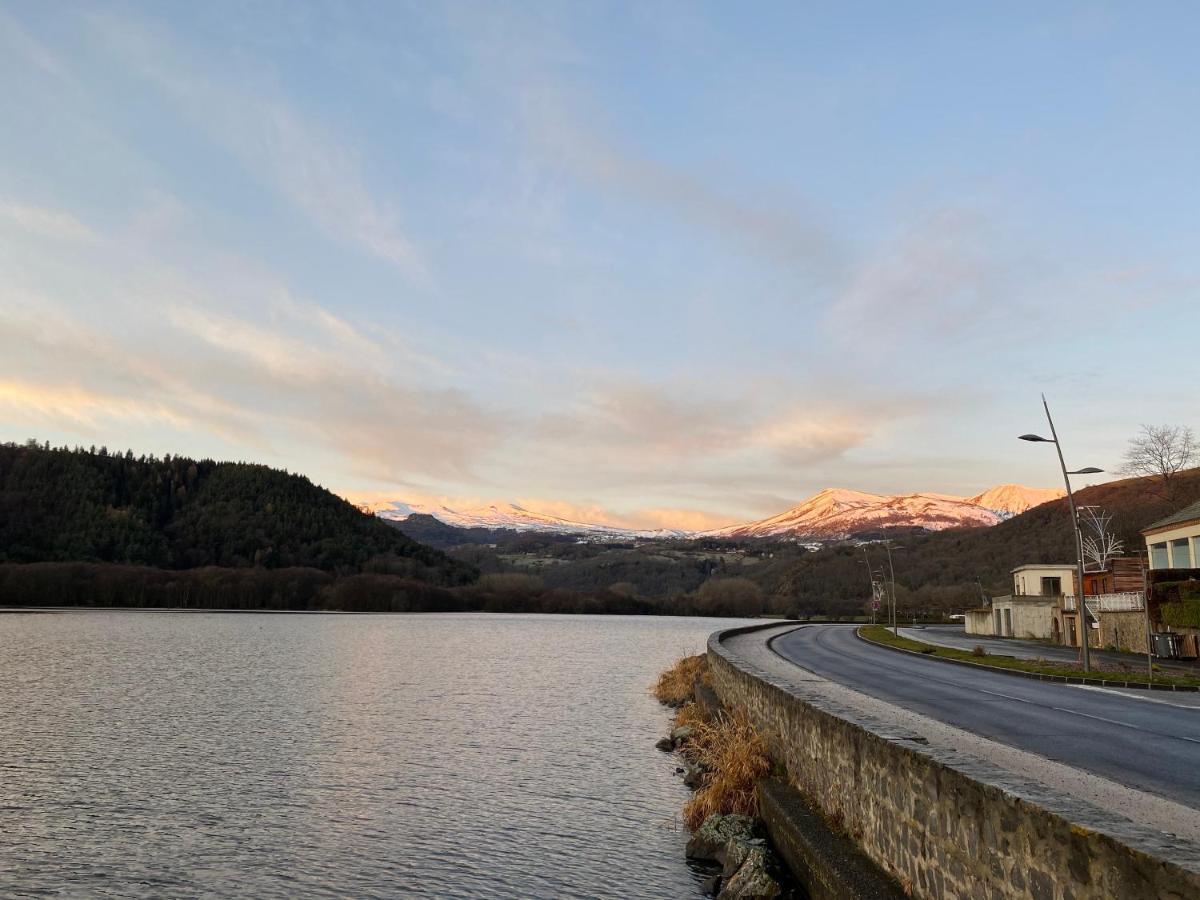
pixel 1145 740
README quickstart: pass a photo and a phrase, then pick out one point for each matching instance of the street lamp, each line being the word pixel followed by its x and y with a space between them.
pixel 1085 656
pixel 871 574
pixel 887 544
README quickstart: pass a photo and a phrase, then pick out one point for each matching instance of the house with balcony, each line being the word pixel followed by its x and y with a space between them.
pixel 1115 601
pixel 1044 605
pixel 1030 611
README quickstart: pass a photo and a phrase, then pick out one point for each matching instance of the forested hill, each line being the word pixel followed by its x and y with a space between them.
pixel 59 505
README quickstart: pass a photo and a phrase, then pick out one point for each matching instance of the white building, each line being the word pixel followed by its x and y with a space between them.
pixel 1174 542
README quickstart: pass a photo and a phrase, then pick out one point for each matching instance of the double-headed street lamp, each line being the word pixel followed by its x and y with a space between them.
pixel 1085 656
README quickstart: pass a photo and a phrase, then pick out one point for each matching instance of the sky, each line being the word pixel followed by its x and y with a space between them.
pixel 651 264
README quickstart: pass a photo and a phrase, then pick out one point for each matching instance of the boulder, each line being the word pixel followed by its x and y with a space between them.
pixel 738 851
pixel 666 745
pixel 693 774
pixel 711 838
pixel 752 880
pixel 682 733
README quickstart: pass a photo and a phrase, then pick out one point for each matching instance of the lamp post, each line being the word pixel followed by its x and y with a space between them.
pixel 1085 656
pixel 871 575
pixel 887 544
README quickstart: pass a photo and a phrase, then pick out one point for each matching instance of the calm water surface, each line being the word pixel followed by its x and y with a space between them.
pixel 182 755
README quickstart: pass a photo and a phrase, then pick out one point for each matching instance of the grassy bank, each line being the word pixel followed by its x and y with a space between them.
pixel 725 749
pixel 1117 673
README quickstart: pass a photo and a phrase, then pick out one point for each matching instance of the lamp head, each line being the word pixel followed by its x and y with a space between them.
pixel 1036 438
pixel 1089 470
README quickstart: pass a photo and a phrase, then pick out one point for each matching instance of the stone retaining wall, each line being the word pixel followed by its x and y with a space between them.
pixel 943 824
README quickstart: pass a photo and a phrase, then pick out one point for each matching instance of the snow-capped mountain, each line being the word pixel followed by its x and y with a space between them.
pixel 837 513
pixel 516 518
pixel 831 514
pixel 1014 499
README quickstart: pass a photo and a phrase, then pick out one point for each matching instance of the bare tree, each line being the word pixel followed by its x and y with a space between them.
pixel 1100 545
pixel 1160 451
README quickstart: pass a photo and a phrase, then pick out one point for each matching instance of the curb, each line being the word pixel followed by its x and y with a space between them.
pixel 1037 676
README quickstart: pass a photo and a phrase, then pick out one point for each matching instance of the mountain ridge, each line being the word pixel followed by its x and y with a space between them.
pixel 830 514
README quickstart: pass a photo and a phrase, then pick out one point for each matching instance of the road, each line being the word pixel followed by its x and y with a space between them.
pixel 954 636
pixel 1149 741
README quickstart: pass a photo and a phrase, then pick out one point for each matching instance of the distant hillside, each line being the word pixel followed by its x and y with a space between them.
pixel 60 505
pixel 433 532
pixel 837 513
pixel 939 571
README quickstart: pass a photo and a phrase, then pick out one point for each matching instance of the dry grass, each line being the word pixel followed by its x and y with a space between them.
pixel 676 685
pixel 691 715
pixel 737 756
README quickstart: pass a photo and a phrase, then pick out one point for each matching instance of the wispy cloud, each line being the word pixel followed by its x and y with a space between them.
pixel 42 222
pixel 314 171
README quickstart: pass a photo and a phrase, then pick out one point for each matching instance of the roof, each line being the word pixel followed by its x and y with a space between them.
pixel 1187 514
pixel 1070 566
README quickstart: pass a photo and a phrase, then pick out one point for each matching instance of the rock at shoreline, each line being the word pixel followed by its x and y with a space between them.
pixel 681 734
pixel 751 880
pixel 693 774
pixel 746 859
pixel 711 838
pixel 666 745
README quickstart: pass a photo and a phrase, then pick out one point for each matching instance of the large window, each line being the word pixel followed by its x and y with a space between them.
pixel 1051 587
pixel 1181 554
pixel 1158 556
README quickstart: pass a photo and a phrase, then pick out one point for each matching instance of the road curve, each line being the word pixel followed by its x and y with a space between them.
pixel 1147 741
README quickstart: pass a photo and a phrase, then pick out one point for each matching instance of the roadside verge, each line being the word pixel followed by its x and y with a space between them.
pixel 951 655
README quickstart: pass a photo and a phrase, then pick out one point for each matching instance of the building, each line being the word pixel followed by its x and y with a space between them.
pixel 1116 605
pixel 1044 606
pixel 1030 611
pixel 1174 542
pixel 1043 580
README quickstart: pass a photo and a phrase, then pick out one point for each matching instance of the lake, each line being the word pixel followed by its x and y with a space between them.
pixel 185 754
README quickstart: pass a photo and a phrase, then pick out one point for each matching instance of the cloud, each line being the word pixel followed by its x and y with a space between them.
pixel 943 275
pixel 48 223
pixel 311 169
pixel 306 379
pixel 12 33
pixel 82 409
pixel 799 439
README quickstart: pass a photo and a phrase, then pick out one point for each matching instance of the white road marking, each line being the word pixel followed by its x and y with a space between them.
pixel 1133 696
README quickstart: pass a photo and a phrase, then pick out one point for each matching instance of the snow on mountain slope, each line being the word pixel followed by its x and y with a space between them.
pixel 512 517
pixel 831 514
pixel 835 513
pixel 1014 499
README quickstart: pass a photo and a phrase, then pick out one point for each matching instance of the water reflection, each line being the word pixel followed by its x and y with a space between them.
pixel 146 754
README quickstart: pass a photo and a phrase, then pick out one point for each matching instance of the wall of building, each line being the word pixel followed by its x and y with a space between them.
pixel 978 621
pixel 1189 533
pixel 945 826
pixel 1123 630
pixel 1030 618
pixel 1028 580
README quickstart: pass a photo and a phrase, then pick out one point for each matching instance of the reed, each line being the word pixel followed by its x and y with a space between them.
pixel 677 684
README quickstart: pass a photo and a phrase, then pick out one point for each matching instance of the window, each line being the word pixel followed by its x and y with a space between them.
pixel 1181 554
pixel 1051 587
pixel 1008 622
pixel 1158 556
